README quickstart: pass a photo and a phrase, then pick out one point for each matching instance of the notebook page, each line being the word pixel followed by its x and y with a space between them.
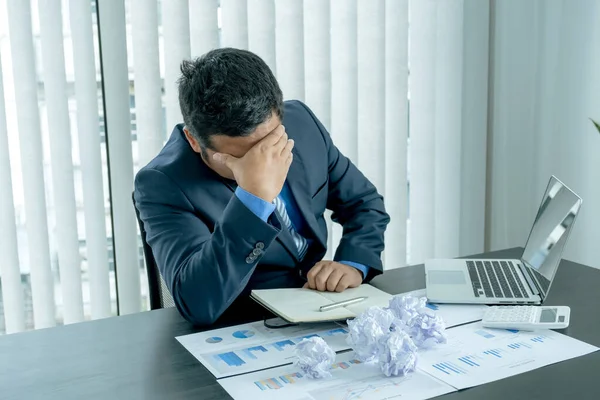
pixel 300 305
pixel 375 297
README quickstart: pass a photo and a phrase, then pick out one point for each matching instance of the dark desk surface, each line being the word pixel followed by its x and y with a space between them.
pixel 137 356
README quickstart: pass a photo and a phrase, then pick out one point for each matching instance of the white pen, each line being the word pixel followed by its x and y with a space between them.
pixel 342 303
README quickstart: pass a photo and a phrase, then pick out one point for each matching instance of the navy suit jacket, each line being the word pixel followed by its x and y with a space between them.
pixel 212 250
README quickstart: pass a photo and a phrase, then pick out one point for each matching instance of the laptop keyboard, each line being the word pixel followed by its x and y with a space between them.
pixel 495 279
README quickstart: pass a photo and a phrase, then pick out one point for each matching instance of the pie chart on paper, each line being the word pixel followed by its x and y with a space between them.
pixel 214 339
pixel 243 334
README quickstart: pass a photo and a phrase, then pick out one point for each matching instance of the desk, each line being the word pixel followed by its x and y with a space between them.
pixel 137 356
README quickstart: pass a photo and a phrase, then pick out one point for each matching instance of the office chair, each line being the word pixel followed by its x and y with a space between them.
pixel 160 297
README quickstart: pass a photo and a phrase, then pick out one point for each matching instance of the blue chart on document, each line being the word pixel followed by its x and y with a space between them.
pixel 242 349
pixel 475 355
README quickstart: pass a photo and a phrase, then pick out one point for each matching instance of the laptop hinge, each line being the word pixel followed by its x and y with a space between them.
pixel 530 280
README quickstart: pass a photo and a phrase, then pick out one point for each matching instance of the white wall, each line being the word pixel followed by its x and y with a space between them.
pixel 545 87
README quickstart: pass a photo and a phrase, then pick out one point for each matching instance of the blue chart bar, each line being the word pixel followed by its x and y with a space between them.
pixel 306 337
pixel 281 345
pixel 440 368
pixel 448 368
pixel 469 361
pixel 513 330
pixel 538 339
pixel 338 331
pixel 453 367
pixel 516 346
pixel 231 359
pixel 432 306
pixel 485 334
pixel 495 353
pixel 249 351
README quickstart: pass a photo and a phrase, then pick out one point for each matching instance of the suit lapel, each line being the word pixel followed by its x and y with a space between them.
pixel 298 181
pixel 284 237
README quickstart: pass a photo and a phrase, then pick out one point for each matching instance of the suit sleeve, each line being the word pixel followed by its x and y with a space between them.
pixel 357 206
pixel 206 268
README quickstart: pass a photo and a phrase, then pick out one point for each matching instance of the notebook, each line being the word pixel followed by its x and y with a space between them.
pixel 302 305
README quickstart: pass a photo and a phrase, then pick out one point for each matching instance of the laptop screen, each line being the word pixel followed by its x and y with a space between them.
pixel 549 233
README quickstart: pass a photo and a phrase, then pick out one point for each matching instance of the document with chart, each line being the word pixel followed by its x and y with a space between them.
pixel 475 355
pixel 251 347
pixel 351 380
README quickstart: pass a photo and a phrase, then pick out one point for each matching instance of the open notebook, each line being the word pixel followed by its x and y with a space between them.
pixel 302 305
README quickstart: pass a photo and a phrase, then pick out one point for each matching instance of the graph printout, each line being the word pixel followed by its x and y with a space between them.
pixel 251 347
pixel 351 380
pixel 475 355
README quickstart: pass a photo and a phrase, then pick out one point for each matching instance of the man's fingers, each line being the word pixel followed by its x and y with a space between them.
pixel 322 277
pixel 344 283
pixel 312 275
pixel 281 143
pixel 273 136
pixel 288 147
pixel 305 286
pixel 225 159
pixel 334 279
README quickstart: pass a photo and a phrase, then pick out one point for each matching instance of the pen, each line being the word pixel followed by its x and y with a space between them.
pixel 342 303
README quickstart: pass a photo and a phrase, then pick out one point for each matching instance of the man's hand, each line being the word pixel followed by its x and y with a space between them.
pixel 263 169
pixel 332 276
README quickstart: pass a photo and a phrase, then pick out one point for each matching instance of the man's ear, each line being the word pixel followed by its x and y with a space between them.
pixel 192 140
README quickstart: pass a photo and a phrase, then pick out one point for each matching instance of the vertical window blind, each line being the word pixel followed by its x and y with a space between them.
pixel 388 78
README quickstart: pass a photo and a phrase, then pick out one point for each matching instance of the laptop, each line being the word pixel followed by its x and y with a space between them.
pixel 523 281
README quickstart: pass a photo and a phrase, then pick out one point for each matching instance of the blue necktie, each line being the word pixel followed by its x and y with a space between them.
pixel 300 242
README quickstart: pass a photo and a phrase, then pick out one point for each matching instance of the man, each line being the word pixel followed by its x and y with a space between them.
pixel 235 199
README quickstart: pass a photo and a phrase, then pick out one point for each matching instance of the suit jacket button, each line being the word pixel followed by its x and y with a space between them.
pixel 257 252
pixel 249 260
pixel 260 245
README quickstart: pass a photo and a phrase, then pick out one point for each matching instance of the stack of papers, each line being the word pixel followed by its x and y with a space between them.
pixel 254 362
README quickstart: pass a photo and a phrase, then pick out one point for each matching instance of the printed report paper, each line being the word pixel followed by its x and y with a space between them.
pixel 475 355
pixel 251 347
pixel 351 380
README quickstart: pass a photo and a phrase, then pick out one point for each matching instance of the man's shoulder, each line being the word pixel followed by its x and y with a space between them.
pixel 295 109
pixel 301 124
pixel 176 162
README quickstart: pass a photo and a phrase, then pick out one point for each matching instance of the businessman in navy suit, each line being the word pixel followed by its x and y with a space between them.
pixel 235 199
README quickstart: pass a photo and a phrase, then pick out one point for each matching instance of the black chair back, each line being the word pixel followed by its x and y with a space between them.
pixel 160 297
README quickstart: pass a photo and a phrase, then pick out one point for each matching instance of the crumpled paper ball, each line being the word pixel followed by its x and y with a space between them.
pixel 367 329
pixel 427 330
pixel 314 357
pixel 406 308
pixel 397 354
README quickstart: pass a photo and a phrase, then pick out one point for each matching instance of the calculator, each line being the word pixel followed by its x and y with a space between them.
pixel 527 318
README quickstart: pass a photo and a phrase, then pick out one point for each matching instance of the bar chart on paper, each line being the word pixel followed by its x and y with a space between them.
pixel 474 355
pixel 242 359
pixel 351 380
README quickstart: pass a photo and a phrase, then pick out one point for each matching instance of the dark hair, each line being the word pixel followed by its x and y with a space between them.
pixel 228 92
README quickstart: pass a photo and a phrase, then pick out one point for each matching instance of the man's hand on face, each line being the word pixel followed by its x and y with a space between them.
pixel 332 276
pixel 263 169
